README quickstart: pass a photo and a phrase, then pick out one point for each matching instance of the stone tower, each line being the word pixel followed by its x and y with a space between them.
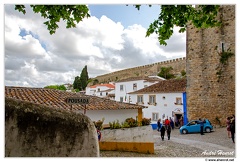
pixel 210 68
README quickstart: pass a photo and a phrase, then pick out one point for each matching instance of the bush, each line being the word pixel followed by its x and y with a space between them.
pixel 115 125
pixel 131 122
pixel 146 121
pixel 98 124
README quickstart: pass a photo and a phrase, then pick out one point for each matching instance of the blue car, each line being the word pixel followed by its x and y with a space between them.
pixel 194 127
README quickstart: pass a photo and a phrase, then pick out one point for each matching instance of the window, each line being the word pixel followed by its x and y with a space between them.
pixel 121 99
pixel 178 101
pixel 140 99
pixel 152 99
pixel 121 87
pixel 98 89
pixel 134 86
pixel 100 93
pixel 155 116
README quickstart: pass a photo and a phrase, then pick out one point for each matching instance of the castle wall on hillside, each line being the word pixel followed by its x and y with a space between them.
pixel 178 65
pixel 210 83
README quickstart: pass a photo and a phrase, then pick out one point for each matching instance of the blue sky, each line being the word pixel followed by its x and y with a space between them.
pixel 127 15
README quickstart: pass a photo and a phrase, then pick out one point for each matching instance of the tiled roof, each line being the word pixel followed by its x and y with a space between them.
pixel 149 79
pixel 104 85
pixel 165 86
pixel 57 99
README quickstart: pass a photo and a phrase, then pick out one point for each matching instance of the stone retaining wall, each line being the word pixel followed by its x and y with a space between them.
pixel 33 130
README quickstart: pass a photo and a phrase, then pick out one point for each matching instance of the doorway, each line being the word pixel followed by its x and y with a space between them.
pixel 178 120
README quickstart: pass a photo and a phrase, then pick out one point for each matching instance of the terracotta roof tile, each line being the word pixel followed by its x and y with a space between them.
pixel 106 85
pixel 57 99
pixel 165 86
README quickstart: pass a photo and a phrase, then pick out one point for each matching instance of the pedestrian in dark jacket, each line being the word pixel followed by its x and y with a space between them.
pixel 171 123
pixel 232 127
pixel 162 130
pixel 201 122
pixel 168 129
pixel 159 125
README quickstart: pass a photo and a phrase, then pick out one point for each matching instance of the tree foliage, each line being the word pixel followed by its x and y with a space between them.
pixel 202 16
pixel 58 87
pixel 80 82
pixel 166 72
pixel 71 14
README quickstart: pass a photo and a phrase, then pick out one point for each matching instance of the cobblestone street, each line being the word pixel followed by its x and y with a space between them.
pixel 214 144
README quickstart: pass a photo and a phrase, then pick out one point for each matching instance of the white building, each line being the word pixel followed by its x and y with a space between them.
pixel 125 86
pixel 102 90
pixel 164 99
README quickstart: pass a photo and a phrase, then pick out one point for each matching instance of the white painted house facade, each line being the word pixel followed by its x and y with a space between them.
pixel 102 90
pixel 111 115
pixel 124 87
pixel 163 99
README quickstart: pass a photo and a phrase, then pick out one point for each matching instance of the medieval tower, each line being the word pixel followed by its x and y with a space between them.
pixel 210 68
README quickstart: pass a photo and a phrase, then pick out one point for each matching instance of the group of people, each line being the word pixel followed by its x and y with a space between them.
pixel 231 127
pixel 166 126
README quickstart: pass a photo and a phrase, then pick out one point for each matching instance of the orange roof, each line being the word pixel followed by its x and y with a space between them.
pixel 103 85
pixel 57 99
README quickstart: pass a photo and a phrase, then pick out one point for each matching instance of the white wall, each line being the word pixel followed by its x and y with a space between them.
pixel 134 134
pixel 111 115
pixel 128 87
pixel 164 106
pixel 95 92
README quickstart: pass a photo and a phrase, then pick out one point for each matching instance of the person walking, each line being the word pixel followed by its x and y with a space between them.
pixel 168 128
pixel 159 125
pixel 167 122
pixel 228 127
pixel 171 123
pixel 181 121
pixel 201 126
pixel 232 127
pixel 162 130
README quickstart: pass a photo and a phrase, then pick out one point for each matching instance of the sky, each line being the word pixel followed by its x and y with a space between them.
pixel 112 39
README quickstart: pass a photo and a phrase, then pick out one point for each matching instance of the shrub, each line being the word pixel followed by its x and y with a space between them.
pixel 115 125
pixel 146 121
pixel 131 122
pixel 98 124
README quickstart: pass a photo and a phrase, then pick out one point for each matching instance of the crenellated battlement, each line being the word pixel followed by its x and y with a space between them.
pixel 177 64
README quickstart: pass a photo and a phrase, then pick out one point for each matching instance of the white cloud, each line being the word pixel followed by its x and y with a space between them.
pixel 39 59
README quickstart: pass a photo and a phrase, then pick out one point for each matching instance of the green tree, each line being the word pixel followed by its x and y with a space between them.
pixel 84 77
pixel 77 83
pixel 166 72
pixel 81 81
pixel 203 16
pixel 58 87
pixel 71 14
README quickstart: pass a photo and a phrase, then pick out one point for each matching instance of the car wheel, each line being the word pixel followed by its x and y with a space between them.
pixel 208 130
pixel 184 131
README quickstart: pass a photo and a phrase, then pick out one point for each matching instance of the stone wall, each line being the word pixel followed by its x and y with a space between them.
pixel 178 65
pixel 210 83
pixel 33 130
